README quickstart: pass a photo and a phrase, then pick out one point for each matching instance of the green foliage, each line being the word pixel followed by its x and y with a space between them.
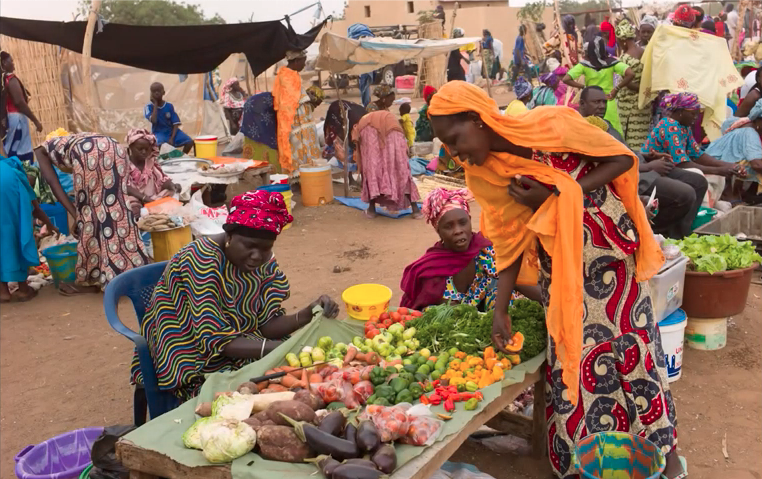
pixel 150 12
pixel 528 318
pixel 533 10
pixel 713 254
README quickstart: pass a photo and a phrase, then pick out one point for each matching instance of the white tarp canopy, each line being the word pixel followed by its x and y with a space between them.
pixel 340 54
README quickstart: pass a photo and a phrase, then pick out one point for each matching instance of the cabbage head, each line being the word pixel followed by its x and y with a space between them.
pixel 192 437
pixel 236 406
pixel 226 440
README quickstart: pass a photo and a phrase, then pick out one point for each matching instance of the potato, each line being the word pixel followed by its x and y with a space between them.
pixel 223 393
pixel 204 409
pixel 248 388
pixel 261 416
pixel 296 410
pixel 312 400
pixel 280 443
pixel 253 422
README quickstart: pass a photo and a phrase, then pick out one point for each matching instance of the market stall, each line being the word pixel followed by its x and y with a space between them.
pixel 158 449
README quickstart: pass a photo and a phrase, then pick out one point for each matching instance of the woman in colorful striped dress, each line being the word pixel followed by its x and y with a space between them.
pixel 219 303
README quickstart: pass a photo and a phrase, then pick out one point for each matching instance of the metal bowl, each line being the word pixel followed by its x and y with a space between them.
pixel 184 165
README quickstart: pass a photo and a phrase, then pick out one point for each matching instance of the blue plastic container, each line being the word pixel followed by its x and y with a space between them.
pixel 614 455
pixel 61 457
pixel 57 214
pixel 62 260
pixel 280 188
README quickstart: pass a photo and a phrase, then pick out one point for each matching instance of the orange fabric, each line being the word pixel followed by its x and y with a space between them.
pixel 287 91
pixel 514 229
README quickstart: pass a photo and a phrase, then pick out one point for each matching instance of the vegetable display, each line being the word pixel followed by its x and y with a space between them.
pixel 714 254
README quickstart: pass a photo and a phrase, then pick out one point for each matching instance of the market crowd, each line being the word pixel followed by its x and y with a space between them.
pixel 594 132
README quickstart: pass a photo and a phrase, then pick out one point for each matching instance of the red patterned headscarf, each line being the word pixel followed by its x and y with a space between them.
pixel 442 200
pixel 259 210
pixel 428 90
pixel 684 16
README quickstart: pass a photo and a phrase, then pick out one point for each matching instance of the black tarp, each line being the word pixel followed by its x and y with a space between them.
pixel 170 49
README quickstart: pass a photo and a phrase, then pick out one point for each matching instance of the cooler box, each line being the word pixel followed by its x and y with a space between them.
pixel 405 84
pixel 667 287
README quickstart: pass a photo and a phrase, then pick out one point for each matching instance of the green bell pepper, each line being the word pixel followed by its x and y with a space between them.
pixel 471 404
pixel 398 384
pixel 403 396
pixel 378 376
pixel 385 391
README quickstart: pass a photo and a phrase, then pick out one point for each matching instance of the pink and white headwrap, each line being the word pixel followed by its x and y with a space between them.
pixel 260 210
pixel 442 200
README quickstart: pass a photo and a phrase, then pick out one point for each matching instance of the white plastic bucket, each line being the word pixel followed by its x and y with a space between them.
pixel 672 331
pixel 278 179
pixel 707 334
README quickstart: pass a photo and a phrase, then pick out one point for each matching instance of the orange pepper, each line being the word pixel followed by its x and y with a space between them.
pixel 505 363
pixel 489 363
pixel 474 361
pixel 460 355
pixel 497 373
pixel 463 366
pixel 489 352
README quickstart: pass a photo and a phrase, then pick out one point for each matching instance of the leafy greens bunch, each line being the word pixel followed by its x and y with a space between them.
pixel 713 254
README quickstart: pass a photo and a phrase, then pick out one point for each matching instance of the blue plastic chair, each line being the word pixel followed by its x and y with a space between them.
pixel 138 285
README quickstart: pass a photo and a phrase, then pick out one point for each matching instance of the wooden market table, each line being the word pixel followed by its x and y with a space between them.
pixel 148 464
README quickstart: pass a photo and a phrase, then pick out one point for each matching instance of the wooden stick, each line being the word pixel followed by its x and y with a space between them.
pixel 345 125
pixel 86 57
pixel 485 72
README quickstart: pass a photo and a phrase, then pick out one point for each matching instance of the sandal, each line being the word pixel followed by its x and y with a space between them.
pixel 684 463
pixel 22 298
pixel 68 289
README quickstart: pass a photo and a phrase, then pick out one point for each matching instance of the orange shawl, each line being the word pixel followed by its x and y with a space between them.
pixel 287 91
pixel 514 229
pixel 383 121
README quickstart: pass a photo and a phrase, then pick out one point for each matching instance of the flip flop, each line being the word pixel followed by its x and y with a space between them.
pixel 15 298
pixel 684 463
pixel 76 291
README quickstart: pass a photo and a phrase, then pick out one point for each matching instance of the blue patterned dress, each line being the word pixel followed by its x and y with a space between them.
pixel 483 289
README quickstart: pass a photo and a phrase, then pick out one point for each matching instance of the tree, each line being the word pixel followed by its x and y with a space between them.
pixel 150 12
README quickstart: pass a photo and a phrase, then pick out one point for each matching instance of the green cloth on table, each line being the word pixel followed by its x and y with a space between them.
pixel 164 434
pixel 603 78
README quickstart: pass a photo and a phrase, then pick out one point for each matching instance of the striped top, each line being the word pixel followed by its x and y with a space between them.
pixel 201 303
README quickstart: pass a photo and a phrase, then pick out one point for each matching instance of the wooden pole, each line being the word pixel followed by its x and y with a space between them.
pixel 87 48
pixel 562 36
pixel 345 126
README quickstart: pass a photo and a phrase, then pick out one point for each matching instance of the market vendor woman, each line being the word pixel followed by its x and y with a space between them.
pixel 460 267
pixel 219 303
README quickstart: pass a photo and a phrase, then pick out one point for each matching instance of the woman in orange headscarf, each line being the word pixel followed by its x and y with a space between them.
pixel 560 204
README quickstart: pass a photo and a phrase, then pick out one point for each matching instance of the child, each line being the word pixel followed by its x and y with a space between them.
pixel 165 124
pixel 407 124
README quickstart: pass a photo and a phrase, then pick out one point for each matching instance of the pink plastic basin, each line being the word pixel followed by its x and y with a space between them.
pixel 61 457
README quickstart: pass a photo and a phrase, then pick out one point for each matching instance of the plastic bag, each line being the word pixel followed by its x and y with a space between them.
pixel 392 422
pixel 103 454
pixel 424 427
pixel 459 470
pixel 207 221
pixel 363 390
pixel 330 391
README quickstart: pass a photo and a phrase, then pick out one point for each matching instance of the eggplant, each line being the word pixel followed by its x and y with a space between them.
pixel 350 433
pixel 333 423
pixel 385 458
pixel 352 471
pixel 326 464
pixel 323 442
pixel 368 438
pixel 361 462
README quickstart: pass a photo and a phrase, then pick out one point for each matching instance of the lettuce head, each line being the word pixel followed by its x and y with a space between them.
pixel 225 440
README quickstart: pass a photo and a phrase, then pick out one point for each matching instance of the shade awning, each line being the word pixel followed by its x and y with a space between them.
pixel 340 54
pixel 170 49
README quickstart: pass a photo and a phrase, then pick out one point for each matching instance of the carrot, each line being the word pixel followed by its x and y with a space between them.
pixel 351 354
pixel 273 371
pixel 392 363
pixel 292 371
pixel 305 380
pixel 262 385
pixel 277 388
pixel 315 378
pixel 288 381
pixel 372 358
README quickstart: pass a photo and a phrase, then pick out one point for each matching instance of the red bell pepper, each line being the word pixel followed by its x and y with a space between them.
pixel 424 399
pixel 449 405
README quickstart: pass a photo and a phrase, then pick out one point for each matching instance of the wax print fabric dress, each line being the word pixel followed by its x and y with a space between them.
pixel 259 126
pixel 200 304
pixel 109 240
pixel 623 376
pixel 298 143
pixel 483 289
pixel 635 122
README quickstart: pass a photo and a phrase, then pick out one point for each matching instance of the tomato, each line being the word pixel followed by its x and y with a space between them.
pixel 402 311
pixel 373 319
pixel 408 318
pixel 387 323
pixel 416 314
pixel 384 316
pixel 372 333
pixel 370 325
pixel 396 317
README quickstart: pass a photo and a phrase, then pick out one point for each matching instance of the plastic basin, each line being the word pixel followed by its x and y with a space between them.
pixel 366 300
pixel 618 454
pixel 61 457
pixel 62 260
pixel 717 295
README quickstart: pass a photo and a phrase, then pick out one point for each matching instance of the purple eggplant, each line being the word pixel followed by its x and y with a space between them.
pixel 385 458
pixel 323 442
pixel 368 438
pixel 350 432
pixel 361 462
pixel 326 464
pixel 333 423
pixel 352 471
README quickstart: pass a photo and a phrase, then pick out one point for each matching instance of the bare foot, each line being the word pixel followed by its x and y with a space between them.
pixel 674 466
pixel 370 213
pixel 416 215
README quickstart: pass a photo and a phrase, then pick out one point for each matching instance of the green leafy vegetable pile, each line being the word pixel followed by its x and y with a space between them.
pixel 461 326
pixel 713 254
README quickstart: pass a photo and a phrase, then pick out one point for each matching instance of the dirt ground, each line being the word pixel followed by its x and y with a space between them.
pixel 62 367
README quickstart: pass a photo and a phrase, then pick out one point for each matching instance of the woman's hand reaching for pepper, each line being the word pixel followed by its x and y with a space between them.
pixel 501 331
pixel 330 308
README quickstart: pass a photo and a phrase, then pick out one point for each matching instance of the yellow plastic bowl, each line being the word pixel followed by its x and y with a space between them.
pixel 366 300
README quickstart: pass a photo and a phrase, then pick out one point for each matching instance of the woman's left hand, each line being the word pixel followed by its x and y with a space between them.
pixel 528 192
pixel 612 94
pixel 330 308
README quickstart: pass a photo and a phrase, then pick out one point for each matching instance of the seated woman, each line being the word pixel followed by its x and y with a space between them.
pixel 385 95
pixel 219 303
pixel 146 181
pixel 232 99
pixel 460 267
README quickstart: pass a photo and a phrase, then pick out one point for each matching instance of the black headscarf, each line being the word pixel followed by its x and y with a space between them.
pixel 569 25
pixel 598 57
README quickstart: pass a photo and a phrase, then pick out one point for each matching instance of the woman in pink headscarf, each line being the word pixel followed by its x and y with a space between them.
pixel 460 267
pixel 146 181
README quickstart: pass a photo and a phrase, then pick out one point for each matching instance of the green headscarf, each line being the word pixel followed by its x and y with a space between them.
pixel 625 30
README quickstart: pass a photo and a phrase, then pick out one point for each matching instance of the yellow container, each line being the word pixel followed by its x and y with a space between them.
pixel 366 300
pixel 317 187
pixel 206 146
pixel 167 243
